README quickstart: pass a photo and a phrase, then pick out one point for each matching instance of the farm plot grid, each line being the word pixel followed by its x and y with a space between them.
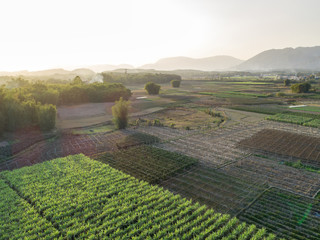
pixel 67 144
pixel 285 143
pixel 275 174
pixel 85 199
pixel 224 193
pixel 289 215
pixel 146 162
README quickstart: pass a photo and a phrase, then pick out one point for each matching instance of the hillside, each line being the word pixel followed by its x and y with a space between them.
pixel 301 58
pixel 205 64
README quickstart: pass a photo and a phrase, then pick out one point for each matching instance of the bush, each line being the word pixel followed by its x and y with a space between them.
pixel 301 87
pixel 152 88
pixel 175 83
pixel 120 113
pixel 280 94
pixel 286 82
pixel 47 117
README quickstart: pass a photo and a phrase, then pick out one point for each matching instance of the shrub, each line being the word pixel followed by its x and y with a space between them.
pixel 286 82
pixel 120 113
pixel 152 88
pixel 175 83
pixel 280 94
pixel 301 87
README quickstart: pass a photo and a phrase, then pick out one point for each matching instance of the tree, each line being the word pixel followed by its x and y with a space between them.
pixel 286 82
pixel 120 113
pixel 152 88
pixel 301 87
pixel 77 81
pixel 175 83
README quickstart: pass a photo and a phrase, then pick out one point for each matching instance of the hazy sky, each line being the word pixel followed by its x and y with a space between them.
pixel 39 34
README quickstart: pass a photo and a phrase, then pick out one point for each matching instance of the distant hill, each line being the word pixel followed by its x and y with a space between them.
pixel 204 64
pixel 107 67
pixel 301 58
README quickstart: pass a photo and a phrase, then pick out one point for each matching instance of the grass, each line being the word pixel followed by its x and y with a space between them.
pixel 93 130
pixel 308 108
pixel 300 165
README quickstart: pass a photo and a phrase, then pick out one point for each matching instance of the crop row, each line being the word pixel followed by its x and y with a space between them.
pixel 275 174
pixel 285 143
pixel 18 219
pixel 146 162
pixel 215 189
pixel 286 214
pixel 86 199
pixel 290 118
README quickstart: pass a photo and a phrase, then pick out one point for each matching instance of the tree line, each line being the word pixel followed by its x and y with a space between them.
pixel 129 78
pixel 34 104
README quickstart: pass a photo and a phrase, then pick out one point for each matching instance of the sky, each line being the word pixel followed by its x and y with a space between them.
pixel 42 34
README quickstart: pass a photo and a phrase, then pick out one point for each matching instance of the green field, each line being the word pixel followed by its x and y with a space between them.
pixel 308 108
pixel 79 198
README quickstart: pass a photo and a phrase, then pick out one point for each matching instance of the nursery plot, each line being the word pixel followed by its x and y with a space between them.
pixel 275 174
pixel 290 144
pixel 224 193
pixel 287 214
pixel 86 199
pixel 147 163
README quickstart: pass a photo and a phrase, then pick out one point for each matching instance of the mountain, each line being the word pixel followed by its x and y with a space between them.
pixel 107 67
pixel 301 58
pixel 204 64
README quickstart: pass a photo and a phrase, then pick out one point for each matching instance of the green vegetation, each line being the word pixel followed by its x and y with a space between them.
pixel 280 117
pixel 286 82
pixel 120 113
pixel 309 108
pixel 85 199
pixel 301 87
pixel 146 162
pixel 175 83
pixel 136 139
pixel 134 78
pixel 19 220
pixel 289 215
pixel 152 88
pixel 300 165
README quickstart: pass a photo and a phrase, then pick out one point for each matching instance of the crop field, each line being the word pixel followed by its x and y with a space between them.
pixel 275 174
pixel 67 144
pixel 147 163
pixel 78 198
pixel 289 215
pixel 289 118
pixel 290 144
pixel 222 192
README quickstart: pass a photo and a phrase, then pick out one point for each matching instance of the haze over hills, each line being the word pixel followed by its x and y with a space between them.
pixel 288 59
pixel 216 63
pixel 301 58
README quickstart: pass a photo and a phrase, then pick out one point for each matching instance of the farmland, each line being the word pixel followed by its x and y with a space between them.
pixel 106 203
pixel 240 167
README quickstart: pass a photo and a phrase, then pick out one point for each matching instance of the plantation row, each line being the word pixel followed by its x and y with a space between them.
pixel 85 199
pixel 286 214
pixel 146 163
pixel 19 220
pixel 285 143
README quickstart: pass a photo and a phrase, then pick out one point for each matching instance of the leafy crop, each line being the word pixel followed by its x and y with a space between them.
pixel 85 199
